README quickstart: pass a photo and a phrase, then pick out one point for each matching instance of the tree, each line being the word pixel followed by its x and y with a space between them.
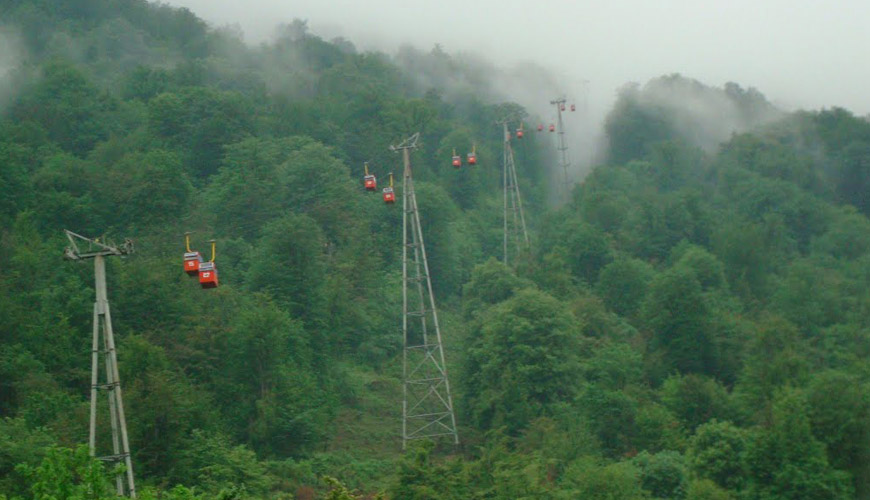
pixel 522 361
pixel 491 283
pixel 69 474
pixel 786 461
pixel 707 268
pixel 67 106
pixel 717 453
pixel 200 121
pixel 775 358
pixel 584 478
pixel 663 474
pixel 677 315
pixel 587 249
pixel 623 283
pixel 696 399
pixel 419 478
pixel 288 263
pixel 838 407
pixel 216 465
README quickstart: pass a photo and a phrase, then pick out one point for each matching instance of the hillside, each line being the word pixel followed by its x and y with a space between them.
pixel 691 324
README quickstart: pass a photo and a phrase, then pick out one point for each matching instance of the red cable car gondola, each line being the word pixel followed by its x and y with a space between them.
pixel 457 160
pixel 552 128
pixel 520 133
pixel 540 127
pixel 369 181
pixel 389 195
pixel 562 106
pixel 573 108
pixel 472 156
pixel 208 275
pixel 192 259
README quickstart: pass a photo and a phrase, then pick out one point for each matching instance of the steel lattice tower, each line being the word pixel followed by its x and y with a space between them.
pixel 103 323
pixel 514 218
pixel 427 405
pixel 560 103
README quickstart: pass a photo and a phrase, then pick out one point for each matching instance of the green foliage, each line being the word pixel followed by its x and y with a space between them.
pixel 787 461
pixel 338 491
pixel 288 263
pixel 678 316
pixel 717 453
pixel 213 463
pixel 695 399
pixel 70 474
pixel 491 283
pixel 672 306
pixel 21 449
pixel 612 418
pixel 663 474
pixel 67 107
pixel 586 248
pixel 199 121
pixel 632 128
pixel 421 479
pixel 618 481
pixel 623 285
pixel 522 360
pixel 705 489
pixel 838 405
pixel 708 270
pixel 614 366
pixel 774 360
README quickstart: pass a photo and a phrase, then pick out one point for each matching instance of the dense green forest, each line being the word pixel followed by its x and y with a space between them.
pixel 692 323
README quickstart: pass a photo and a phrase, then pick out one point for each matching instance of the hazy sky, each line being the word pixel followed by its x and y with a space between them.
pixel 799 53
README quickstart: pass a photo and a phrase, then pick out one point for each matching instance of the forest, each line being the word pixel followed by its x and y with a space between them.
pixel 691 321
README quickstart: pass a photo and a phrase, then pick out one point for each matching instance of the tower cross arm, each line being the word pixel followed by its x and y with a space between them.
pixel 94 248
pixel 409 143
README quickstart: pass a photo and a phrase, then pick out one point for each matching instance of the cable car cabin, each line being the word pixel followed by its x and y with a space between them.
pixel 540 127
pixel 552 128
pixel 573 107
pixel 562 107
pixel 472 159
pixel 457 161
pixel 389 195
pixel 192 261
pixel 519 133
pixel 208 276
pixel 370 182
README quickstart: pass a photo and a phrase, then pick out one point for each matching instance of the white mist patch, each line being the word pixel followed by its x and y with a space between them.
pixel 529 84
pixel 707 116
pixel 10 56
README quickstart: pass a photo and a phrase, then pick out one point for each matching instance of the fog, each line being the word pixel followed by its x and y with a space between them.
pixel 798 53
pixel 9 58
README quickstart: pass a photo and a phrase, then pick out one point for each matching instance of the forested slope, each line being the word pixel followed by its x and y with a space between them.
pixel 692 323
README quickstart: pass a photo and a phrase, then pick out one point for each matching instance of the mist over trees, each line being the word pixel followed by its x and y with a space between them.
pixel 691 324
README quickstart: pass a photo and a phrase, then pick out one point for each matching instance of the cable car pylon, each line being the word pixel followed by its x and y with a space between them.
pixel 514 217
pixel 560 106
pixel 103 324
pixel 427 404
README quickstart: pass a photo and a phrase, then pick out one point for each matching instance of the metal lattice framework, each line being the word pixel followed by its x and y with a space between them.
pixel 514 218
pixel 560 103
pixel 427 405
pixel 112 384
